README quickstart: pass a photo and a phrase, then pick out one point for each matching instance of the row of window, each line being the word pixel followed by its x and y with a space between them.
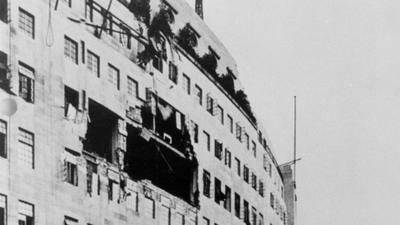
pixel 26 143
pixel 226 198
pixel 26 212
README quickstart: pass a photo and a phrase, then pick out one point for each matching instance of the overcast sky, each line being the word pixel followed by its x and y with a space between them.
pixel 342 59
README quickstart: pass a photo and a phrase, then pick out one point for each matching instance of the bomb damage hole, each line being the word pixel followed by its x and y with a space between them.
pixel 147 158
pixel 102 132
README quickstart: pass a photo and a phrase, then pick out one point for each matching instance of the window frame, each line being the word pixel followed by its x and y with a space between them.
pixel 31 32
pixel 4 148
pixel 198 94
pixel 112 67
pixel 74 44
pixel 136 84
pixel 91 54
pixel 186 83
pixel 30 145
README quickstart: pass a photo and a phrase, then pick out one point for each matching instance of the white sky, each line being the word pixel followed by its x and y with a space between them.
pixel 342 59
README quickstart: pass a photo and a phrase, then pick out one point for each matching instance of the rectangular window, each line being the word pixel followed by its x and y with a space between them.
pixel 26 148
pixel 195 132
pixel 198 93
pixel 26 82
pixel 26 23
pixel 254 148
pixel 260 137
pixel 218 149
pixel 253 181
pixel 132 87
pixel 133 201
pixel 247 139
pixel 228 158
pixel 3 139
pixel 237 205
pixel 246 212
pixel 206 183
pixel 218 195
pixel 227 202
pixel 220 114
pixel 93 63
pixel 158 63
pixel 210 104
pixel 271 200
pixel 4 11
pixel 230 123
pixel 186 83
pixel 238 132
pixel 173 73
pixel 113 189
pixel 246 174
pixel 26 214
pixel 261 188
pixel 206 221
pixel 260 219
pixel 3 209
pixel 113 76
pixel 207 140
pixel 71 49
pixel 91 177
pixel 253 216
pixel 71 172
pixel 71 102
pixel 238 166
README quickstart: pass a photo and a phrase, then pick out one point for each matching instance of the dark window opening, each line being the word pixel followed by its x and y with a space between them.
pixel 149 159
pixel 4 11
pixel 218 150
pixel 206 183
pixel 227 202
pixel 71 102
pixel 102 132
pixel 246 216
pixel 237 205
pixel 173 73
pixel 3 139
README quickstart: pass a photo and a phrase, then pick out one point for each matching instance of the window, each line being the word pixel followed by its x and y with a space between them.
pixel 238 167
pixel 133 201
pixel 113 190
pixel 238 132
pixel 246 212
pixel 3 139
pixel 91 177
pixel 228 158
pixel 218 195
pixel 4 11
pixel 210 104
pixel 237 205
pixel 270 169
pixel 198 93
pixel 254 148
pixel 253 181
pixel 158 63
pixel 253 216
pixel 93 63
pixel 26 214
pixel 247 139
pixel 230 123
pixel 227 202
pixel 208 140
pixel 132 87
pixel 72 172
pixel 113 76
pixel 246 174
pixel 3 209
pixel 71 49
pixel 206 183
pixel 71 102
pixel 206 221
pixel 26 82
pixel 261 188
pixel 220 114
pixel 26 148
pixel 271 200
pixel 195 132
pixel 218 149
pixel 186 83
pixel 26 23
pixel 260 137
pixel 260 219
pixel 173 73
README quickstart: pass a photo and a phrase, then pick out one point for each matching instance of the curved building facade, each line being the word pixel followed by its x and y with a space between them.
pixel 127 112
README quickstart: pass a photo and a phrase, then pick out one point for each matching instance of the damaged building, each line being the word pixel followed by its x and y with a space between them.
pixel 127 112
